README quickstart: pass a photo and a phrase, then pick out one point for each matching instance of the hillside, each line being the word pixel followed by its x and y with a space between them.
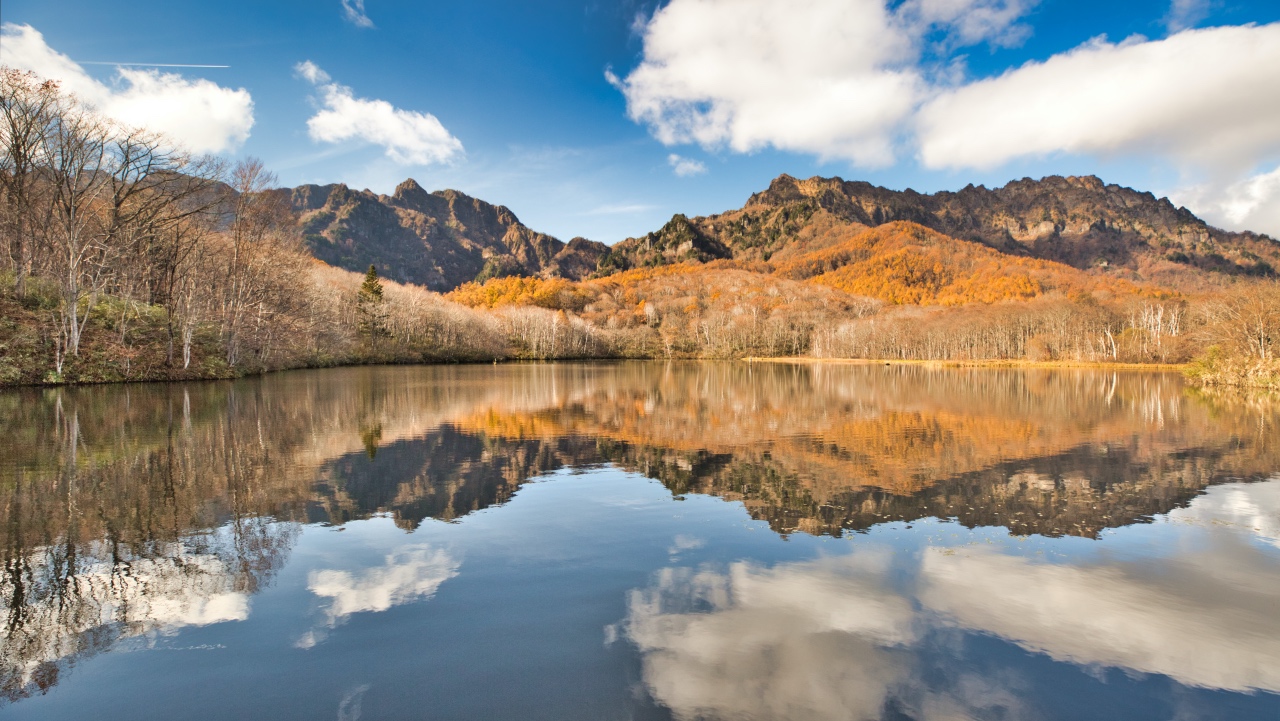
pixel 438 240
pixel 902 262
pixel 1108 230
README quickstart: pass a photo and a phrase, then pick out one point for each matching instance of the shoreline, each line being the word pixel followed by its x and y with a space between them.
pixel 796 360
pixel 1045 365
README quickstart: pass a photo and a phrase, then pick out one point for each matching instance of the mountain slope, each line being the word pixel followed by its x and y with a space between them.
pixel 439 240
pixel 902 262
pixel 1107 229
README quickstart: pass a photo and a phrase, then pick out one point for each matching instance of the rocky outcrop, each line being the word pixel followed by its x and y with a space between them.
pixel 439 240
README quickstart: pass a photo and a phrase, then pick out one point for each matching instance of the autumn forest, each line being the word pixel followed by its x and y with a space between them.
pixel 127 259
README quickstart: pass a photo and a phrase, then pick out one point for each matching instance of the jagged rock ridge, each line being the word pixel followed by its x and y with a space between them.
pixel 439 240
pixel 1078 221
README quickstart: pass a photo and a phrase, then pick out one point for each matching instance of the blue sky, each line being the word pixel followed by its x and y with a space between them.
pixel 570 112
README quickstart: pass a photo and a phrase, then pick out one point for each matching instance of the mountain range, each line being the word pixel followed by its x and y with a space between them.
pixel 446 238
pixel 438 240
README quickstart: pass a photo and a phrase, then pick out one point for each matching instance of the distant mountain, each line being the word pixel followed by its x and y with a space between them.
pixel 1105 229
pixel 439 240
pixel 446 238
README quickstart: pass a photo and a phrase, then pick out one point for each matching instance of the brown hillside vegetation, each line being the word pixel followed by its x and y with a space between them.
pixel 688 309
pixel 905 263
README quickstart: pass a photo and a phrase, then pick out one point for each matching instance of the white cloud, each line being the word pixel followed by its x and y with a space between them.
pixel 1186 13
pixel 685 167
pixel 866 81
pixel 1202 97
pixel 970 22
pixel 198 114
pixel 408 137
pixel 834 78
pixel 353 11
pixel 1249 204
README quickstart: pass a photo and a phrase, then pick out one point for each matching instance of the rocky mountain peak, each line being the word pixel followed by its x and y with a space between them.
pixel 409 189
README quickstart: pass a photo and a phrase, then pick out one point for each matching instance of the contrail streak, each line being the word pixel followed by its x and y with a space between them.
pixel 153 65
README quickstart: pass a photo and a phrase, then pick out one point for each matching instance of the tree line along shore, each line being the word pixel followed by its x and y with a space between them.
pixel 125 259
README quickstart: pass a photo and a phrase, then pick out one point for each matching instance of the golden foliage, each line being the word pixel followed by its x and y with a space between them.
pixel 906 263
pixel 554 293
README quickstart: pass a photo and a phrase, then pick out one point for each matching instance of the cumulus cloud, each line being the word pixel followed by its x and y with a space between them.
pixel 685 167
pixel 1198 96
pixel 408 137
pixel 199 114
pixel 1249 204
pixel 869 81
pixel 353 11
pixel 834 78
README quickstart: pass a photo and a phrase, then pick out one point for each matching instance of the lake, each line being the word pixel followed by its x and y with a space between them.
pixel 634 540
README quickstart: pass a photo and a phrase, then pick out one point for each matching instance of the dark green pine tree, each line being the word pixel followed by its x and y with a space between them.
pixel 370 307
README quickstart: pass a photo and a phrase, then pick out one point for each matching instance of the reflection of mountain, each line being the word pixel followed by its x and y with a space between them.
pixel 1078 492
pixel 197 491
pixel 443 474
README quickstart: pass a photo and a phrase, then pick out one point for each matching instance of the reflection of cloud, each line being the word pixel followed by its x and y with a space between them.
pixel 1185 619
pixel 798 641
pixel 411 573
pixel 836 638
pixel 1249 506
pixel 349 706
pixel 108 599
pixel 684 542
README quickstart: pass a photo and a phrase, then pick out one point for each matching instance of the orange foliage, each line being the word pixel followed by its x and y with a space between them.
pixel 555 293
pixel 906 263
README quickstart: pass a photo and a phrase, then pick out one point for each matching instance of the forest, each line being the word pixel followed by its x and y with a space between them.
pixel 126 258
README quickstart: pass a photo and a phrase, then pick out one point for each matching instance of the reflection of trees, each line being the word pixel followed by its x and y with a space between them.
pixel 119 504
pixel 827 449
pixel 106 541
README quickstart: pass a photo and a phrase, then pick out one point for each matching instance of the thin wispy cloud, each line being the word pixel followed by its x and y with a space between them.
pixel 621 209
pixel 149 65
pixel 685 167
pixel 408 137
pixel 1184 14
pixel 353 11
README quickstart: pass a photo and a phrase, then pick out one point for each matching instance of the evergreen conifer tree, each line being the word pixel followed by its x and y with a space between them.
pixel 369 307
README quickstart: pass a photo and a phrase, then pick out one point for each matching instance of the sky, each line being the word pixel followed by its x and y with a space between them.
pixel 603 119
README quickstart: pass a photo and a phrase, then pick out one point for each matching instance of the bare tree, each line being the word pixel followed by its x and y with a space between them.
pixel 28 107
pixel 75 153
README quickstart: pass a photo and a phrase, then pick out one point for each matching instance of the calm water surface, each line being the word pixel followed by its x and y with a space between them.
pixel 642 541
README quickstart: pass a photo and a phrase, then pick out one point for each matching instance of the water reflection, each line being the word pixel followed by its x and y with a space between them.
pixel 410 573
pixel 136 511
pixel 853 636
